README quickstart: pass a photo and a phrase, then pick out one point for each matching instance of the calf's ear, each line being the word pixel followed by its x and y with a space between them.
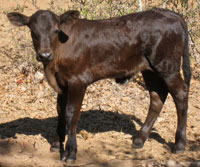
pixel 62 36
pixel 18 19
pixel 69 16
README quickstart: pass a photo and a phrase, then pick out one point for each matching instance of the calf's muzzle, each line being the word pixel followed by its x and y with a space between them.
pixel 45 56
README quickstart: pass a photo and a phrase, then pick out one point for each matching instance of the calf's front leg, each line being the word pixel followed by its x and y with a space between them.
pixel 70 116
pixel 60 135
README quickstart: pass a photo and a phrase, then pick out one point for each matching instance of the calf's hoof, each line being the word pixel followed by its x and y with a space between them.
pixel 178 148
pixel 55 147
pixel 68 157
pixel 137 143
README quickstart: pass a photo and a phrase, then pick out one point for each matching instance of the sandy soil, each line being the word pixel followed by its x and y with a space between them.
pixel 111 113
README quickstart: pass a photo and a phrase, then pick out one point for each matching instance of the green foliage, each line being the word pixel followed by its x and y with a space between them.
pixel 99 9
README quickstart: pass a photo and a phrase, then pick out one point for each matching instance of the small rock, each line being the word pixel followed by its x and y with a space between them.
pixel 84 106
pixel 172 163
pixel 39 75
pixel 159 119
pixel 84 134
pixel 41 100
pixel 28 79
pixel 23 89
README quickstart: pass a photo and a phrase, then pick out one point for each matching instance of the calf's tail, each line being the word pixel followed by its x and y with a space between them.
pixel 186 58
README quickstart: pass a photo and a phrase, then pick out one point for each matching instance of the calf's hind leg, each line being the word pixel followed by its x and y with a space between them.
pixel 179 91
pixel 158 92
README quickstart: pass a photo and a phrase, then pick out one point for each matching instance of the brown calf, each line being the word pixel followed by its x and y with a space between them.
pixel 77 52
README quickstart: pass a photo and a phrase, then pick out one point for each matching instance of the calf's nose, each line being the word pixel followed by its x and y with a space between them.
pixel 45 56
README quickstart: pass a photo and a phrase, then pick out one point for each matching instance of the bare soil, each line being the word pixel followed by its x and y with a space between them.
pixel 111 113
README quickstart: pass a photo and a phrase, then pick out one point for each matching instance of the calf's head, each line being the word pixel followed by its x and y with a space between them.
pixel 45 30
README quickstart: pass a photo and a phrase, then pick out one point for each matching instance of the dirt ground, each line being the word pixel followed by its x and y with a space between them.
pixel 111 113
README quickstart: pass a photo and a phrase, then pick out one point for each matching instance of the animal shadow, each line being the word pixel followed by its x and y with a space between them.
pixel 93 121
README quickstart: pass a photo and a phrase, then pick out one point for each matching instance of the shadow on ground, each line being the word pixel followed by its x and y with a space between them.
pixel 91 121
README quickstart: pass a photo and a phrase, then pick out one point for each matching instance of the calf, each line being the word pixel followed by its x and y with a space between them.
pixel 77 52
